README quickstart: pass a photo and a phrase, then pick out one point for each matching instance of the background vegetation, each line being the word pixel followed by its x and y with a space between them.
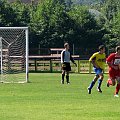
pixel 52 22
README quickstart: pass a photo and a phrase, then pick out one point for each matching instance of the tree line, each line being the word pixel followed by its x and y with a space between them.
pixel 53 22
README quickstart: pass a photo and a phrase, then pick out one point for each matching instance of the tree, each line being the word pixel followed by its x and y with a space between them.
pixel 111 7
pixel 86 30
pixel 22 12
pixel 14 14
pixel 115 30
pixel 49 23
pixel 111 10
pixel 7 14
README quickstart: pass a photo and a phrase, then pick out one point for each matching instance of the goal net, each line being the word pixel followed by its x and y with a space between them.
pixel 14 54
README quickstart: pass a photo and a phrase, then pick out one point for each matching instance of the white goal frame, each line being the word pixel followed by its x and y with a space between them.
pixel 26 52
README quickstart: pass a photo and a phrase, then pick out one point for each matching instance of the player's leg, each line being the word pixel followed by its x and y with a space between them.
pixel 97 71
pixel 100 81
pixel 64 68
pixel 92 83
pixel 109 82
pixel 117 87
pixel 67 77
pixel 63 75
pixel 112 77
pixel 68 68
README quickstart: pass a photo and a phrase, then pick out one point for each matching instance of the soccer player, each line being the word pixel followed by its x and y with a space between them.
pixel 65 60
pixel 98 61
pixel 113 62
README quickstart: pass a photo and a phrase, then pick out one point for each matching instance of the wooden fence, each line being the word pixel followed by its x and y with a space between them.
pixel 54 65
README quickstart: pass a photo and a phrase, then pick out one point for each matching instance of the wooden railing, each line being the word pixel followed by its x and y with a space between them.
pixel 53 64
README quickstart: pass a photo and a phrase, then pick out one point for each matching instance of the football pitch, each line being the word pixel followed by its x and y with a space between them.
pixel 45 98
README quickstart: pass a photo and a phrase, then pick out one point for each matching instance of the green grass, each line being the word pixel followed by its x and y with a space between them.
pixel 46 99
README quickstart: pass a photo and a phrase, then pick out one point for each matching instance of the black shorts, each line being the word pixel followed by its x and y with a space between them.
pixel 66 66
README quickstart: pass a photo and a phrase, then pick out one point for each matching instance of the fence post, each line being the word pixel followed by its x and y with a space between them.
pixel 90 67
pixel 78 66
pixel 35 65
pixel 51 66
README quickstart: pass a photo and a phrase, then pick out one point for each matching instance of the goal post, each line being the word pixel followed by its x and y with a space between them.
pixel 14 54
pixel 1 54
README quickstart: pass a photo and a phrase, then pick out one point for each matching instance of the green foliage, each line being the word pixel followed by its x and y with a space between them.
pixel 87 2
pixel 47 21
pixel 116 30
pixel 85 27
pixel 14 14
pixel 111 9
pixel 6 14
pixel 22 14
pixel 52 22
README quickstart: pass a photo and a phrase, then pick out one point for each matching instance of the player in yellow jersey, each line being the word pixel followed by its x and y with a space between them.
pixel 98 60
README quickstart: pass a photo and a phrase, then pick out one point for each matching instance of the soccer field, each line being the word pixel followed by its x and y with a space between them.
pixel 46 99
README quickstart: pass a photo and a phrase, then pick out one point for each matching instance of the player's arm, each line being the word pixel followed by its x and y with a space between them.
pixel 71 58
pixel 104 60
pixel 94 63
pixel 112 66
pixel 62 56
pixel 110 63
pixel 93 60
